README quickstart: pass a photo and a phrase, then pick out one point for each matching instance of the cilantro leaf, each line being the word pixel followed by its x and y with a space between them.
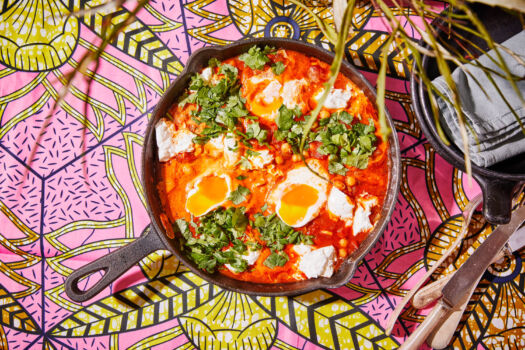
pixel 256 58
pixel 216 231
pixel 239 195
pixel 254 131
pixel 345 143
pixel 285 117
pixel 245 163
pixel 276 259
pixel 276 234
pixel 337 168
pixel 214 62
pixel 278 68
pixel 241 177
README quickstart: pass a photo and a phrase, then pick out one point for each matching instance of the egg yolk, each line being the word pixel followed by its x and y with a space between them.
pixel 261 102
pixel 211 191
pixel 296 202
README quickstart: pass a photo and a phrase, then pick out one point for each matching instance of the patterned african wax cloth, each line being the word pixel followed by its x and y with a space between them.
pixel 52 220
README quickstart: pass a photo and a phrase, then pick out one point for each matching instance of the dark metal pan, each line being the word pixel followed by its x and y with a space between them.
pixel 500 181
pixel 154 236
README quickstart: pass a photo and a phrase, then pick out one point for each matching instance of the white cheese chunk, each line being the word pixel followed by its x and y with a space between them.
pixel 362 215
pixel 207 74
pixel 271 91
pixel 292 92
pixel 259 161
pixel 225 144
pixel 302 249
pixel 340 205
pixel 336 99
pixel 318 263
pixel 171 141
pixel 251 257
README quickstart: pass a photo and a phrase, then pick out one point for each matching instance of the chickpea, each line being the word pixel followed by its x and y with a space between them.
pixel 343 253
pixel 324 114
pixel 296 158
pixel 286 149
pixel 186 169
pixel 343 242
pixel 279 160
pixel 350 181
pixel 339 185
pixel 198 150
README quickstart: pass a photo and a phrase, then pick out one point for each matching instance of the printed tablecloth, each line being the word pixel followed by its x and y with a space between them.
pixel 81 196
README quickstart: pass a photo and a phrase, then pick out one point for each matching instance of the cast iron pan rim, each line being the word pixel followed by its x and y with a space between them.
pixel 313 284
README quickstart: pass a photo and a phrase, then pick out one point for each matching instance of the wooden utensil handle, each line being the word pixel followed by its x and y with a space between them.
pixel 421 333
pixel 429 293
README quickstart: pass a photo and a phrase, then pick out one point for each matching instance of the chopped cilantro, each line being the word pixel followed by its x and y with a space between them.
pixel 252 153
pixel 276 233
pixel 215 232
pixel 256 58
pixel 214 62
pixel 345 143
pixel 241 177
pixel 254 131
pixel 278 68
pixel 290 129
pixel 239 195
pixel 336 168
pixel 285 117
pixel 276 259
pixel 244 163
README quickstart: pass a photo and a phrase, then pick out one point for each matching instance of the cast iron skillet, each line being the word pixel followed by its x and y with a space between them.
pixel 499 181
pixel 154 236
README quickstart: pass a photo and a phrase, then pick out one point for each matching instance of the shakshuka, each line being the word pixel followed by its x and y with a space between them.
pixel 238 191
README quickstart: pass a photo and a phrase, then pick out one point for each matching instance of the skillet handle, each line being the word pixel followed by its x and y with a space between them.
pixel 497 199
pixel 113 265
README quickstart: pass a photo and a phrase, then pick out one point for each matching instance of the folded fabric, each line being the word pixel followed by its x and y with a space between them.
pixel 496 135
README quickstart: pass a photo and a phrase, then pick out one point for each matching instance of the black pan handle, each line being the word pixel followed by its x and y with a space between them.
pixel 497 198
pixel 113 265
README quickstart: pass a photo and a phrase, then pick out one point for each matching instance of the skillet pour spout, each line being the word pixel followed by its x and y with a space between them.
pixel 155 236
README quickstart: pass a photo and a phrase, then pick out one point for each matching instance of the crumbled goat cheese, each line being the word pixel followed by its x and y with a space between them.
pixel 319 262
pixel 171 141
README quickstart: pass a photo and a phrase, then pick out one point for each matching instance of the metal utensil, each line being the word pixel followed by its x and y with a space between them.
pixel 432 291
pixel 458 288
pixel 441 336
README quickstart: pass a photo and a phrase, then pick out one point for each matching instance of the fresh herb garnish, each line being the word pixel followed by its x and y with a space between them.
pixel 241 177
pixel 215 232
pixel 254 131
pixel 289 128
pixel 278 68
pixel 345 143
pixel 276 234
pixel 256 58
pixel 276 259
pixel 239 195
pixel 245 163
pixel 214 62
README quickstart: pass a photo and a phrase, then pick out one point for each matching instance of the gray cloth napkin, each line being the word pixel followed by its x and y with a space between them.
pixel 499 133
